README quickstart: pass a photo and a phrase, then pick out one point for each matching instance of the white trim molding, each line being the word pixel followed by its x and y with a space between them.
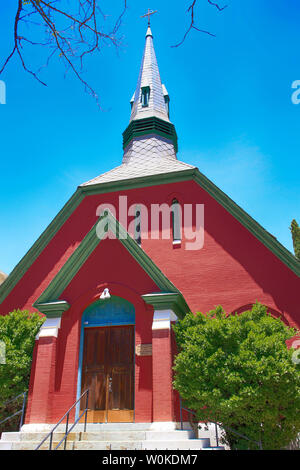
pixel 49 328
pixel 162 319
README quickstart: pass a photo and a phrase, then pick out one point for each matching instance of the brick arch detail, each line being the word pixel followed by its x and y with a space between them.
pixel 272 311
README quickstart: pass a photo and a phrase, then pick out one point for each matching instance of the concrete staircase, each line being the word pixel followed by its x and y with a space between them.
pixel 119 436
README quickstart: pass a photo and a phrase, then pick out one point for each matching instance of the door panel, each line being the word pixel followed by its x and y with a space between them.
pixel 108 372
pixel 121 394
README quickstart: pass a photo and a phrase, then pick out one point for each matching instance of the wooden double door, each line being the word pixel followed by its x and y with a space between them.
pixel 108 373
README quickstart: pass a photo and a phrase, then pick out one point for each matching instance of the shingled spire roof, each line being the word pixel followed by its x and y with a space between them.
pixel 150 140
pixel 149 77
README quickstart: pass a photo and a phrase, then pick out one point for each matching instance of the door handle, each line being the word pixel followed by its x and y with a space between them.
pixel 110 384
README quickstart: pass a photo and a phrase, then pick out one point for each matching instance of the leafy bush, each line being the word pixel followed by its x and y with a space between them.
pixel 237 370
pixel 18 330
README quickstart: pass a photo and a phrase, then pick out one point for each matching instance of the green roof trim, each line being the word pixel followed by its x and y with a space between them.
pixel 53 309
pixel 168 300
pixel 234 209
pixel 82 191
pixel 41 243
pixel 249 223
pixel 151 125
pixel 51 294
pixel 141 182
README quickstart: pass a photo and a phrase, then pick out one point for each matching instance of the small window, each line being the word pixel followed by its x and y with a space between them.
pixel 167 102
pixel 132 101
pixel 145 96
pixel 176 221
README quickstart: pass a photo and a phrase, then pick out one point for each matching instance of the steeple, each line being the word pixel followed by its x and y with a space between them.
pixel 149 100
pixel 150 139
pixel 150 126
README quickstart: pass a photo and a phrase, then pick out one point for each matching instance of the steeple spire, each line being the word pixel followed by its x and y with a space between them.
pixel 150 140
pixel 150 105
pixel 149 98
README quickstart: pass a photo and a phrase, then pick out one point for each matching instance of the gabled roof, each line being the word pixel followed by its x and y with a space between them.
pixel 147 169
pixel 110 185
pixel 146 165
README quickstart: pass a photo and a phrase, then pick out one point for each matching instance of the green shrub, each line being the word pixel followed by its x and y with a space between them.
pixel 18 330
pixel 237 370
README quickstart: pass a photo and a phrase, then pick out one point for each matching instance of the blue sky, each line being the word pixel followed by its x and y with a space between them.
pixel 230 102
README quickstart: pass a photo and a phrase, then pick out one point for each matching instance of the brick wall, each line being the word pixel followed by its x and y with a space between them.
pixel 233 269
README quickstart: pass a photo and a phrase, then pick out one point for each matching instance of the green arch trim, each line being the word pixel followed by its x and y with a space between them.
pixel 62 279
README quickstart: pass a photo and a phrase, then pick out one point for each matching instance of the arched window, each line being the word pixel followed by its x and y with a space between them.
pixel 137 225
pixel 167 103
pixel 167 99
pixel 145 96
pixel 176 221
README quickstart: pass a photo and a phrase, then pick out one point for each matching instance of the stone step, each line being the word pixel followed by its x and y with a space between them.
pixel 97 427
pixel 37 436
pixel 5 445
pixel 109 436
pixel 190 444
pixel 187 444
pixel 31 445
pixel 120 436
pixel 106 436
pixel 85 445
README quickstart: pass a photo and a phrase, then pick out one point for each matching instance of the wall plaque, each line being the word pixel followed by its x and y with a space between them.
pixel 143 350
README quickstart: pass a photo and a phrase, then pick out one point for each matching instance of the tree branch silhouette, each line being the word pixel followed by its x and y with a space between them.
pixel 191 10
pixel 69 34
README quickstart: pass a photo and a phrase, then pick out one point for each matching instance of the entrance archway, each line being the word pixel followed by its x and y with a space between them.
pixel 107 360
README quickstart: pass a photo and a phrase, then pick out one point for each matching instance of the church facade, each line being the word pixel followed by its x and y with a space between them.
pixel 131 252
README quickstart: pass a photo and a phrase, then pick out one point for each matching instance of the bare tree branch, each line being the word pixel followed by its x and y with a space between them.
pixel 72 35
pixel 217 6
pixel 69 35
pixel 191 10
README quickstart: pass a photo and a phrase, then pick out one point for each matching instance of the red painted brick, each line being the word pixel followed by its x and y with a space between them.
pixel 233 269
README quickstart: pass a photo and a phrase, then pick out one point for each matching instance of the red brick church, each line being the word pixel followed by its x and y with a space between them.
pixel 132 251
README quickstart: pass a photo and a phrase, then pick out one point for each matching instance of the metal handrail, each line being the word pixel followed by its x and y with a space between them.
pixel 68 430
pixel 21 411
pixel 227 428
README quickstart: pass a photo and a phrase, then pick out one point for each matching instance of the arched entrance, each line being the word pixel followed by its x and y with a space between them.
pixel 107 360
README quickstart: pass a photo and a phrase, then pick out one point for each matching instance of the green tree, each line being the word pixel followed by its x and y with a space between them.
pixel 238 371
pixel 295 229
pixel 17 335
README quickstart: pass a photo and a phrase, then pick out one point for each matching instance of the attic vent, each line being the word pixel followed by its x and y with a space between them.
pixel 150 125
